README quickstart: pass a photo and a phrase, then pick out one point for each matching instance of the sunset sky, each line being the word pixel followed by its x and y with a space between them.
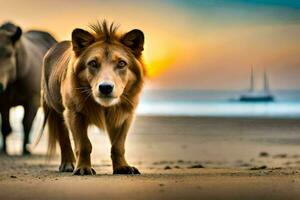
pixel 190 44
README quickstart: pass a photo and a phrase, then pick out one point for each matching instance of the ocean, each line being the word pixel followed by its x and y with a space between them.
pixel 217 103
pixel 211 104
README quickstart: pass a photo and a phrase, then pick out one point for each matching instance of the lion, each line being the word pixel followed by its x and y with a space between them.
pixel 94 79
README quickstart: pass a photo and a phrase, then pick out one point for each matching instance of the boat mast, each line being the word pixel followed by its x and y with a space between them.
pixel 251 81
pixel 266 82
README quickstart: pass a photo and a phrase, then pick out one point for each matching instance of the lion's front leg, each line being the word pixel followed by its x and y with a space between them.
pixel 78 126
pixel 117 138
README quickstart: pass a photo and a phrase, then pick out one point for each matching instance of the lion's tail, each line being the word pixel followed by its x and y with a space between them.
pixel 52 128
pixel 53 131
pixel 38 139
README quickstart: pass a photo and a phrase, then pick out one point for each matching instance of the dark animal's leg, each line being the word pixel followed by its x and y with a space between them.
pixel 117 137
pixel 29 114
pixel 59 128
pixel 5 128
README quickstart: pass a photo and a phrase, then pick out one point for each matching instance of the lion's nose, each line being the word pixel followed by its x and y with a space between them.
pixel 106 88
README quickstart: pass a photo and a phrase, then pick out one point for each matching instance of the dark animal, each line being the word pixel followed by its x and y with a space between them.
pixel 21 56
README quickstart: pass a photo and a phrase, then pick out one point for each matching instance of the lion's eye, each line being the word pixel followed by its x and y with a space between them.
pixel 93 64
pixel 121 64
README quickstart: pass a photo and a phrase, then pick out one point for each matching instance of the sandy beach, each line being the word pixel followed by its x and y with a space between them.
pixel 179 157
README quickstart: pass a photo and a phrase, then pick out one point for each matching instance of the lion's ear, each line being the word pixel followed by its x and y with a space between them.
pixel 134 39
pixel 81 39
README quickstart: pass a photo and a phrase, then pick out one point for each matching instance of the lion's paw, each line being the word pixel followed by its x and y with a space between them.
pixel 126 170
pixel 84 171
pixel 66 167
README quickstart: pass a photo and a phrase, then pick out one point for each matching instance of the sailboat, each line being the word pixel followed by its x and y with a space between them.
pixel 257 96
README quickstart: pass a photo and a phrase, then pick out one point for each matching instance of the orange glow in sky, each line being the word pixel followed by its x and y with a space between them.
pixel 159 57
pixel 188 44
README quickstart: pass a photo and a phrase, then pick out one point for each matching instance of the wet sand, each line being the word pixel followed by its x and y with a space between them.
pixel 180 158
